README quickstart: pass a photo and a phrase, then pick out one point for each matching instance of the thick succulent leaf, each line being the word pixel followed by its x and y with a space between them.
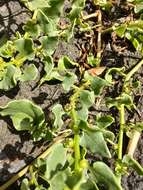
pixel 88 185
pixel 87 98
pixel 48 44
pixel 104 175
pixel 58 113
pixel 36 4
pixel 131 162
pixel 7 49
pixel 22 121
pixel 66 180
pixel 104 121
pixel 51 72
pixel 82 114
pixel 74 180
pixel 66 63
pixel 111 71
pixel 138 7
pixel 69 80
pixel 29 73
pixel 24 114
pixel 97 83
pixel 32 28
pixel 120 30
pixel 124 99
pixel 25 184
pixel 48 17
pixel 48 67
pixel 55 9
pixel 108 135
pixel 55 160
pixel 25 47
pixel 77 6
pixel 104 4
pixel 58 180
pixel 94 141
pixel 10 77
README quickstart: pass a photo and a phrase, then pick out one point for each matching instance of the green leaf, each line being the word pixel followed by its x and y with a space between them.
pixel 74 180
pixel 124 99
pixel 48 18
pixel 88 185
pixel 94 141
pixel 104 4
pixel 25 47
pixel 35 4
pixel 10 77
pixel 25 115
pixel 29 73
pixel 82 114
pixel 58 180
pixel 25 184
pixel 120 30
pixel 32 28
pixel 66 63
pixel 7 50
pixel 55 9
pixel 87 98
pixel 55 160
pixel 77 6
pixel 131 162
pixel 108 135
pixel 51 72
pixel 97 83
pixel 104 175
pixel 69 80
pixel 104 121
pixel 58 113
pixel 48 67
pixel 138 7
pixel 92 60
pixel 22 121
pixel 111 71
pixel 48 44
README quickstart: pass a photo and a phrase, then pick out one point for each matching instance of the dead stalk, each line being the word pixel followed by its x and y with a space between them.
pixel 86 17
pixel 133 142
pixel 99 43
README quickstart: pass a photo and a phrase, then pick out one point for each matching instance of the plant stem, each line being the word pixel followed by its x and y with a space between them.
pixel 73 100
pixel 121 133
pixel 122 123
pixel 77 151
pixel 135 69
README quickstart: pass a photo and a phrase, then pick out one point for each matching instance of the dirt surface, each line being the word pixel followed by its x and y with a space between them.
pixel 16 149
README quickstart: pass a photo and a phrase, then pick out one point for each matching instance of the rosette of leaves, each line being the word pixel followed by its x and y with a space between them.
pixel 13 56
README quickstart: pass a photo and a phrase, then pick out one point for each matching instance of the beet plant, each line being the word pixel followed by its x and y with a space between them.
pixel 81 144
